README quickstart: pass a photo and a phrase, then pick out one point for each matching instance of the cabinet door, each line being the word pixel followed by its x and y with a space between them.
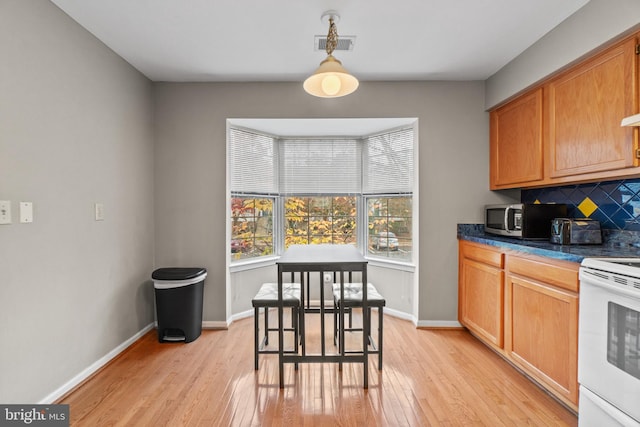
pixel 481 300
pixel 585 107
pixel 516 151
pixel 543 334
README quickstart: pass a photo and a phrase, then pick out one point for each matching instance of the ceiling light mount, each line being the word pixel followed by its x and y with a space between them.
pixel 331 79
pixel 330 14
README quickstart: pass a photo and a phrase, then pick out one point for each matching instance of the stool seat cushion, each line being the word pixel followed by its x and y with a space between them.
pixel 268 295
pixel 353 294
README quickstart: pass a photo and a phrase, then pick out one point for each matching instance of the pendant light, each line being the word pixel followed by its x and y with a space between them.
pixel 331 79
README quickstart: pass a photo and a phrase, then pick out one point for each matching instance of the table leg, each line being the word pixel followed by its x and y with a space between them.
pixel 365 329
pixel 280 330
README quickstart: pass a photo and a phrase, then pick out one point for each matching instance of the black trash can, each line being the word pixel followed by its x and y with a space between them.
pixel 179 302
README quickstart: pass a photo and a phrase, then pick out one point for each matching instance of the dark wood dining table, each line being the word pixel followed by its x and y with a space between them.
pixel 322 258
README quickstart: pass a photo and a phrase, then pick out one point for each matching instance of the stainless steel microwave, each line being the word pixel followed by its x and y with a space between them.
pixel 522 220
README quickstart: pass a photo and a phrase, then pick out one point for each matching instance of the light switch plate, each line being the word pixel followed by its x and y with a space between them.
pixel 26 212
pixel 5 212
pixel 99 211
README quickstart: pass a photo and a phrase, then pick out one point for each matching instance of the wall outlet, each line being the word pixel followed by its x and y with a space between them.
pixel 26 212
pixel 5 212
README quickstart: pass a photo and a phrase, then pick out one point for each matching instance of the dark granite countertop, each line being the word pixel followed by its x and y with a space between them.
pixel 616 244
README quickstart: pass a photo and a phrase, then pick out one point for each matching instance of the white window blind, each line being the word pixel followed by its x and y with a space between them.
pixel 309 166
pixel 389 163
pixel 252 162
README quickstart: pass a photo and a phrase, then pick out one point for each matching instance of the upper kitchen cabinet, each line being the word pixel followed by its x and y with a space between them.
pixel 584 108
pixel 516 142
pixel 567 128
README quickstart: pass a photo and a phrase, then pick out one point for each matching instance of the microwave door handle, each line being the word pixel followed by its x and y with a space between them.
pixel 506 219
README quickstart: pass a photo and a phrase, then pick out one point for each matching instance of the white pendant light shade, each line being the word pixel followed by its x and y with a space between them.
pixel 330 80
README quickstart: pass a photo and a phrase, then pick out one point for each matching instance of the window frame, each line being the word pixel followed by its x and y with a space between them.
pixel 356 217
pixel 362 219
pixel 274 200
pixel 365 239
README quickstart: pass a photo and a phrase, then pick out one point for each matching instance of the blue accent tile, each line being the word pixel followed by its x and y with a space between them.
pixel 632 186
pixel 572 211
pixel 567 190
pixel 529 196
pixel 599 196
pixel 618 201
pixel 609 209
pixel 632 226
pixel 599 215
pixel 588 189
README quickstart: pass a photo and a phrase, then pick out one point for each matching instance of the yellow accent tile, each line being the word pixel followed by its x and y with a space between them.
pixel 587 207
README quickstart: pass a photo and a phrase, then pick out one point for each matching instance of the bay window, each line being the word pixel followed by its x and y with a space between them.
pixel 288 191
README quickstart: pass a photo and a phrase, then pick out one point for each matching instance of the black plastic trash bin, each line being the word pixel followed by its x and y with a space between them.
pixel 179 302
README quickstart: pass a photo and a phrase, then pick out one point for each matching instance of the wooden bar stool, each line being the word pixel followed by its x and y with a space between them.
pixel 352 299
pixel 267 297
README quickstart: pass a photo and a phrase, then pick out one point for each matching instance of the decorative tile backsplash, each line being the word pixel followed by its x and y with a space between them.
pixel 616 204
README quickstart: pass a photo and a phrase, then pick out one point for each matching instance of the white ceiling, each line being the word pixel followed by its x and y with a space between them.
pixel 273 40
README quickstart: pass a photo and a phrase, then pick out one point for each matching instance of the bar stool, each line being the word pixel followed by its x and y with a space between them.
pixel 352 299
pixel 267 297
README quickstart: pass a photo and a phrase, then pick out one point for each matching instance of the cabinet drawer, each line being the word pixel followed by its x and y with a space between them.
pixel 483 254
pixel 558 273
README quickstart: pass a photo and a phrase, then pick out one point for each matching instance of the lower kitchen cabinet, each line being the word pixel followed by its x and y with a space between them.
pixel 541 307
pixel 526 308
pixel 481 292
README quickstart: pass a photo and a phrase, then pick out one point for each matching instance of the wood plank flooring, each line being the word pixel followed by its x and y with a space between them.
pixel 429 378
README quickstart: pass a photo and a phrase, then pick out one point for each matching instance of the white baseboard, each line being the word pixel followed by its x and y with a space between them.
pixel 400 314
pixel 240 316
pixel 443 324
pixel 215 324
pixel 86 373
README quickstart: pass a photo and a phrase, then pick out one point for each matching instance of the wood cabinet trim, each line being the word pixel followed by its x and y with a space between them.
pixel 565 388
pixel 615 162
pixel 483 253
pixel 619 58
pixel 493 327
pixel 516 149
pixel 555 283
pixel 562 274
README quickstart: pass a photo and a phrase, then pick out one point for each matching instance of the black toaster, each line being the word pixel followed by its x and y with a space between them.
pixel 575 231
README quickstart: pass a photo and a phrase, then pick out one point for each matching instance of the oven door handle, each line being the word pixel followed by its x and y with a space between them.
pixel 592 278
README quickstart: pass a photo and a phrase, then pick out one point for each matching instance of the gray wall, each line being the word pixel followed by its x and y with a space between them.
pixel 75 128
pixel 594 24
pixel 190 170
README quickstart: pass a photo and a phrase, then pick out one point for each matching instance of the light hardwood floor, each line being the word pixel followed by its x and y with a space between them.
pixel 429 378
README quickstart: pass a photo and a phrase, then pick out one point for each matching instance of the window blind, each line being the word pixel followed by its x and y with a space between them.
pixel 320 166
pixel 252 162
pixel 388 162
